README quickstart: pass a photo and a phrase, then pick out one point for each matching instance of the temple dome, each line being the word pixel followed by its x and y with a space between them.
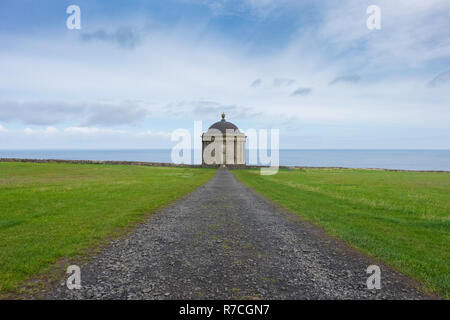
pixel 223 125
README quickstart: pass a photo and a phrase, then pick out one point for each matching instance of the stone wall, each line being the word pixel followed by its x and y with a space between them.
pixel 133 163
pixel 165 164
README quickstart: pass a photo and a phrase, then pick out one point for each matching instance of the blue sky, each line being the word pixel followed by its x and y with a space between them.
pixel 137 70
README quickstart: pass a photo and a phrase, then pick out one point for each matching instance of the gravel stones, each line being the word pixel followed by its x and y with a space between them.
pixel 225 242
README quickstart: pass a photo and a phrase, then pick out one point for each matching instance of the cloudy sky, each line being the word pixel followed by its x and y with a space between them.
pixel 137 70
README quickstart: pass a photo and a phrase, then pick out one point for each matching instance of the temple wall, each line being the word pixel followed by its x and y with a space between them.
pixel 218 149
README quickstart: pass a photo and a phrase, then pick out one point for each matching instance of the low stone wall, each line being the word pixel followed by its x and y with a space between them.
pixel 166 164
pixel 228 166
pixel 132 163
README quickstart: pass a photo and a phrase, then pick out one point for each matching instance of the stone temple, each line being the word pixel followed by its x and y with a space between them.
pixel 223 144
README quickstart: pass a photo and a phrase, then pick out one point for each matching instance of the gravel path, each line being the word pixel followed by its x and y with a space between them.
pixel 225 242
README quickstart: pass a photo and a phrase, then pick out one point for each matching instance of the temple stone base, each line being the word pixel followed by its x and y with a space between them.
pixel 228 166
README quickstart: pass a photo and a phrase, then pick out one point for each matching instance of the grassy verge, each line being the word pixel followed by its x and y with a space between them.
pixel 401 218
pixel 54 211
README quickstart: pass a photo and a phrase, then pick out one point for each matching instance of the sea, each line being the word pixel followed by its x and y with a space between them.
pixel 432 160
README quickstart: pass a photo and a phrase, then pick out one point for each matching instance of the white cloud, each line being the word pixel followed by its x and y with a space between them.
pixel 412 32
pixel 82 138
pixel 189 72
pixel 158 77
pixel 46 131
pixel 51 130
pixel 3 129
pixel 149 133
pixel 50 112
pixel 92 130
pixel 261 8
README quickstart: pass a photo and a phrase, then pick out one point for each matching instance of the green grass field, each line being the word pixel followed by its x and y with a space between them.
pixel 54 211
pixel 401 218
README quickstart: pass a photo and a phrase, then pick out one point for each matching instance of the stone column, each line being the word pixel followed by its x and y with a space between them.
pixel 240 157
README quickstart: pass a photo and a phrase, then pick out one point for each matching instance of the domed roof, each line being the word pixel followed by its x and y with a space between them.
pixel 223 125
